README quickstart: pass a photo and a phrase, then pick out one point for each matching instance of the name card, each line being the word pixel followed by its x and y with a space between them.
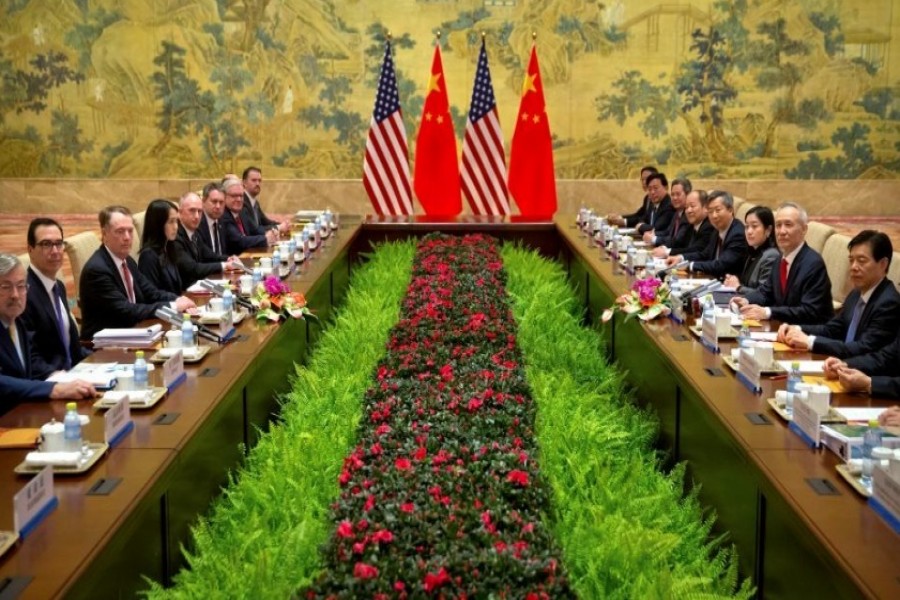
pixel 886 494
pixel 749 370
pixel 173 370
pixel 709 334
pixel 117 421
pixel 224 328
pixel 34 501
pixel 806 422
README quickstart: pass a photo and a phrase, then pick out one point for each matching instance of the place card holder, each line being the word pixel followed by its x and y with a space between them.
pixel 173 371
pixel 806 423
pixel 709 334
pixel 34 502
pixel 117 422
pixel 749 372
pixel 885 498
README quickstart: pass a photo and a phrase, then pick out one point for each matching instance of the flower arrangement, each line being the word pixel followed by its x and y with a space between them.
pixel 274 299
pixel 648 299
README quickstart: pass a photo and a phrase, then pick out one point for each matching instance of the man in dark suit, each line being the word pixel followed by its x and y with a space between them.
pixel 113 291
pixel 210 230
pixel 192 257
pixel 727 249
pixel 799 291
pixel 252 182
pixel 877 373
pixel 657 237
pixel 240 234
pixel 697 231
pixel 638 215
pixel 21 367
pixel 47 314
pixel 870 317
pixel 660 211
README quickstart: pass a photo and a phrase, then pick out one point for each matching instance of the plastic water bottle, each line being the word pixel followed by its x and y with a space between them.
pixel 744 338
pixel 187 332
pixel 276 260
pixel 871 439
pixel 72 428
pixel 228 299
pixel 794 379
pixel 140 371
pixel 257 274
pixel 329 218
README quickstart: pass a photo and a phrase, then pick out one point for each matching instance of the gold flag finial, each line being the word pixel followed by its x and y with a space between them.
pixel 533 35
pixel 438 34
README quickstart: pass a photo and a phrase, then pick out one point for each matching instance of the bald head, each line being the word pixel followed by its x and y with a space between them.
pixel 190 210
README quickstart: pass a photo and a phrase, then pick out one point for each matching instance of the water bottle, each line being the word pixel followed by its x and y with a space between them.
pixel 329 219
pixel 257 274
pixel 276 260
pixel 304 241
pixel 871 439
pixel 140 371
pixel 187 332
pixel 744 339
pixel 794 379
pixel 72 428
pixel 228 298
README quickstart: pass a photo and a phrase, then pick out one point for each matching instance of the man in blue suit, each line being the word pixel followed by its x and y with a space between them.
pixel 47 313
pixel 21 368
pixel 876 373
pixel 799 290
pixel 240 232
pixel 870 317
pixel 727 249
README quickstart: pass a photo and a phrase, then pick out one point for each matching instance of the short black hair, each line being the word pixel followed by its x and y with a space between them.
pixel 210 187
pixel 878 242
pixel 649 168
pixel 248 170
pixel 40 222
pixel 661 177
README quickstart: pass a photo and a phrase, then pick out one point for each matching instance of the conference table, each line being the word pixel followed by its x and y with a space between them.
pixel 798 528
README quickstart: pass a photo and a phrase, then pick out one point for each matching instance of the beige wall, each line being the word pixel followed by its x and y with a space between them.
pixel 80 196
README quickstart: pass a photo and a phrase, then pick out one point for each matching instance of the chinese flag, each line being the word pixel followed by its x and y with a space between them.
pixel 436 178
pixel 532 181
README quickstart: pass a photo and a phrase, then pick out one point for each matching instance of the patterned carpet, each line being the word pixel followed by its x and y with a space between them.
pixel 13 228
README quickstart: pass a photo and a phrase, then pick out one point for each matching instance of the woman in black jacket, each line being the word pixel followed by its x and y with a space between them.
pixel 759 229
pixel 156 260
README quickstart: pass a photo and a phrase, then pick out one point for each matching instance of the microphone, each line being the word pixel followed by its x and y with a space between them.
pixel 219 289
pixel 172 317
pixel 708 287
pixel 661 274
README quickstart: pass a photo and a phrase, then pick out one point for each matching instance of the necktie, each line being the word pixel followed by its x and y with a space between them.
pixel 240 224
pixel 854 322
pixel 14 338
pixel 652 216
pixel 61 324
pixel 677 223
pixel 718 245
pixel 129 286
pixel 783 273
pixel 216 246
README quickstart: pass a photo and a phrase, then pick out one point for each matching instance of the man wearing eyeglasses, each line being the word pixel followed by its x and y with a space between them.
pixel 240 233
pixel 21 368
pixel 47 310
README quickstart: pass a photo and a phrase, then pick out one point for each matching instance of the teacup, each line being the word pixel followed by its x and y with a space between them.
pixel 173 339
pixel 246 284
pixel 763 352
pixel 53 437
pixel 266 262
pixel 640 257
pixel 216 304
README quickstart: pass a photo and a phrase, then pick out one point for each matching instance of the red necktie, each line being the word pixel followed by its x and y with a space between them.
pixel 783 272
pixel 240 224
pixel 129 287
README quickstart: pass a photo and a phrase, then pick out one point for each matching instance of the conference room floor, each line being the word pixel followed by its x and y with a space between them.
pixel 13 228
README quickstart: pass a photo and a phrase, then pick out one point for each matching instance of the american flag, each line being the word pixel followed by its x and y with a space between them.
pixel 386 165
pixel 483 172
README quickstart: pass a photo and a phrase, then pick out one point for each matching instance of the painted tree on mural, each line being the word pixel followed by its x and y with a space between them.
pixel 30 90
pixel 183 102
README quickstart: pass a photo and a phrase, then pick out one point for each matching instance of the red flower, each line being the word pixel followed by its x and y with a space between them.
pixel 408 507
pixel 345 529
pixel 344 478
pixel 420 453
pixel 383 429
pixel 447 372
pixel 370 503
pixel 518 477
pixel 436 580
pixel 475 404
pixel 383 536
pixel 399 586
pixel 359 547
pixel 499 545
pixel 363 571
pixel 403 464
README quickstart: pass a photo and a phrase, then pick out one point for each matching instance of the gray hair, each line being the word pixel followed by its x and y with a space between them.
pixel 685 184
pixel 804 216
pixel 231 182
pixel 185 197
pixel 727 199
pixel 8 262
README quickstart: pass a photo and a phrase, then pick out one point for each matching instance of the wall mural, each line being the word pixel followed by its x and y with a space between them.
pixel 800 89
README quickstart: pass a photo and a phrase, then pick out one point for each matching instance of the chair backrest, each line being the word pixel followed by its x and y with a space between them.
pixel 894 269
pixel 818 234
pixel 80 248
pixel 835 256
pixel 138 232
pixel 740 212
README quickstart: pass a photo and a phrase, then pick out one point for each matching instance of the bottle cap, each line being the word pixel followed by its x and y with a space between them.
pixel 873 422
pixel 795 365
pixel 139 354
pixel 71 406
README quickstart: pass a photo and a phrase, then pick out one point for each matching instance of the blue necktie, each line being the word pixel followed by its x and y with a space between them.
pixel 61 325
pixel 854 322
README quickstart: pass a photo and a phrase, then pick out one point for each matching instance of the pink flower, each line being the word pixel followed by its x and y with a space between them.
pixel 363 571
pixel 383 536
pixel 345 529
pixel 274 286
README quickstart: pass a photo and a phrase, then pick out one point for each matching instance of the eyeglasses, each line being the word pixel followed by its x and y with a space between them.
pixel 7 287
pixel 238 195
pixel 46 245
